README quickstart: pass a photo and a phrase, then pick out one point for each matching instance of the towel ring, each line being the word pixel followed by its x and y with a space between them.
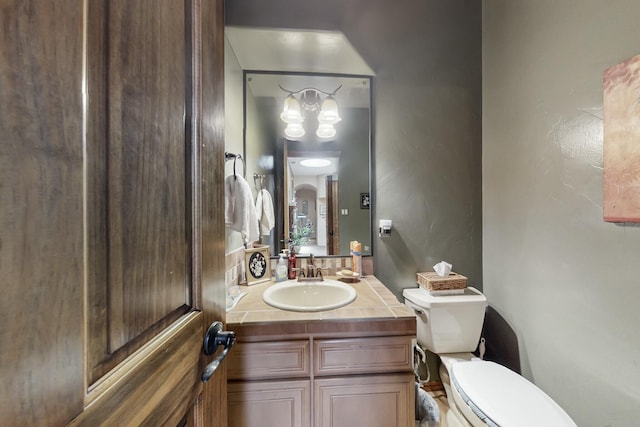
pixel 235 157
pixel 238 156
pixel 261 177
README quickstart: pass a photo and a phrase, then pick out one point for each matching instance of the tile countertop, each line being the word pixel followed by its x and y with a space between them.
pixel 375 312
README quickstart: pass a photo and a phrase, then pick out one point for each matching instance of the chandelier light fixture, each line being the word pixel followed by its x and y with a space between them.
pixel 309 101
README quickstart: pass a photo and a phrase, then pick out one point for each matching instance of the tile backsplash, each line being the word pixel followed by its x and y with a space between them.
pixel 235 272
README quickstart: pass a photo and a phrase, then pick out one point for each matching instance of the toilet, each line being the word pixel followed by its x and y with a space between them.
pixel 479 392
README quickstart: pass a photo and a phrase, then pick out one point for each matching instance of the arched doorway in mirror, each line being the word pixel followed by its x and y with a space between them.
pixel 309 220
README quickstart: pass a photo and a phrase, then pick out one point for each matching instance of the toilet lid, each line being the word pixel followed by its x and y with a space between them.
pixel 501 397
pixel 425 299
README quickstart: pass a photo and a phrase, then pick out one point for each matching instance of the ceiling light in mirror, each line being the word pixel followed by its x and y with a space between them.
pixel 308 102
pixel 294 131
pixel 310 99
pixel 329 112
pixel 291 111
pixel 315 163
pixel 326 130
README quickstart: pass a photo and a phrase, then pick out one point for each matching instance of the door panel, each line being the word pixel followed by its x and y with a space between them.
pixel 142 157
pixel 112 239
pixel 155 386
pixel 146 156
pixel 333 228
pixel 41 241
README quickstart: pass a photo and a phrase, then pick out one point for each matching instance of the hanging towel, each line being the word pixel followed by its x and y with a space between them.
pixel 239 210
pixel 264 209
pixel 229 187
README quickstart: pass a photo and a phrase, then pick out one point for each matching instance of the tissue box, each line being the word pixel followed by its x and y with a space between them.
pixel 431 281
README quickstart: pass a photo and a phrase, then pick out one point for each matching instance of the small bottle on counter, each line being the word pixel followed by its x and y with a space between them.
pixel 356 253
pixel 292 264
pixel 282 271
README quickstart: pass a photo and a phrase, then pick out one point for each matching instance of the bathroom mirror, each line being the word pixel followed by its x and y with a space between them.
pixel 320 185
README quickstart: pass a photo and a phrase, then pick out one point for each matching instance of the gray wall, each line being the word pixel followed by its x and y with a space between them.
pixel 565 280
pixel 233 133
pixel 427 135
pixel 353 176
pixel 427 58
pixel 259 143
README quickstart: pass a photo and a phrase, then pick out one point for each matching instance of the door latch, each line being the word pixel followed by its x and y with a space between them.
pixel 214 338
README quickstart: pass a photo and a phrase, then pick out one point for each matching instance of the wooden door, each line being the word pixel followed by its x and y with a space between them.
pixel 333 229
pixel 111 182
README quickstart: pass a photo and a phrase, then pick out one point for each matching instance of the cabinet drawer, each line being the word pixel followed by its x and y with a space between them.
pixel 288 359
pixel 363 355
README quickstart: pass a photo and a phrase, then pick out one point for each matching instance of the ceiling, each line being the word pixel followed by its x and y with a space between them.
pixel 298 170
pixel 301 51
pixel 271 49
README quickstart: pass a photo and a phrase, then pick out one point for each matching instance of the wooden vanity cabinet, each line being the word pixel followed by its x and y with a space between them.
pixel 350 381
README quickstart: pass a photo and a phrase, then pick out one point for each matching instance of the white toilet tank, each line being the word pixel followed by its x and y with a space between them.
pixel 447 323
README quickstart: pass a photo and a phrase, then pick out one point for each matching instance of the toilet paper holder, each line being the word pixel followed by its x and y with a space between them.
pixel 384 229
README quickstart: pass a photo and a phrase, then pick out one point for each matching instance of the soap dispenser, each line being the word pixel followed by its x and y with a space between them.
pixel 292 264
pixel 281 268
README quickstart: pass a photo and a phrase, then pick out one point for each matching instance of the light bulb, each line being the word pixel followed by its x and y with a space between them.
pixel 291 110
pixel 326 130
pixel 315 163
pixel 329 112
pixel 294 130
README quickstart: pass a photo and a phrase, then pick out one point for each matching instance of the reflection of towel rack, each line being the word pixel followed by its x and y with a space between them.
pixel 261 177
pixel 230 156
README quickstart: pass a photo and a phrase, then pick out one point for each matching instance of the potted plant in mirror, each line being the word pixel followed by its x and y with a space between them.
pixel 299 237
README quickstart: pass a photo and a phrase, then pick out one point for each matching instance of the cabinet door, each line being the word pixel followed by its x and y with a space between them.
pixel 276 403
pixel 372 401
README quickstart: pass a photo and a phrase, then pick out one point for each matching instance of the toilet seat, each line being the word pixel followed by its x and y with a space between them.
pixel 501 397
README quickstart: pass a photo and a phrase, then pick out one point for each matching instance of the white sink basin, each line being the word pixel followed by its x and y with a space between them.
pixel 309 296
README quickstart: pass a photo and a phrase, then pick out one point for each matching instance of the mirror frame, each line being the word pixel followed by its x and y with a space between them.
pixel 280 181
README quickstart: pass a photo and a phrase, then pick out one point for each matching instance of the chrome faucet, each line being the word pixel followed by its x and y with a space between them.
pixel 313 273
